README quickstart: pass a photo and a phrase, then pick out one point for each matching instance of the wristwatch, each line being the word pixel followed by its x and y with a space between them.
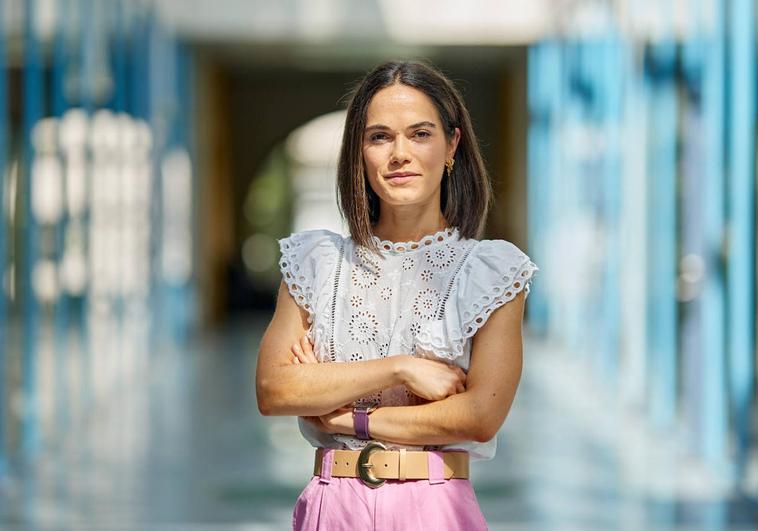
pixel 360 421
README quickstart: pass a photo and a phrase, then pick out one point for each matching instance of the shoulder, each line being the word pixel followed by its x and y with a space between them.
pixel 487 250
pixel 494 273
pixel 310 238
pixel 498 258
pixel 307 258
pixel 307 251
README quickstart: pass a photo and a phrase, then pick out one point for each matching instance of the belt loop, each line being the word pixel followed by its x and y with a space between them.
pixel 401 468
pixel 326 465
pixel 436 465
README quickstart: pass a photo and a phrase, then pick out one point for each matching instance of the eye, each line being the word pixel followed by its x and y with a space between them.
pixel 427 133
pixel 376 136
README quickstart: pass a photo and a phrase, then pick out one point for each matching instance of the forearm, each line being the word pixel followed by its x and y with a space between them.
pixel 453 419
pixel 319 388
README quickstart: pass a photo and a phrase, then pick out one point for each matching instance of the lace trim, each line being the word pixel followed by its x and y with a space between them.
pixel 449 233
pixel 298 285
pixel 334 300
pixel 451 344
pixel 522 277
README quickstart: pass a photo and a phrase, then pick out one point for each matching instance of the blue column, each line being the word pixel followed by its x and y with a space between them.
pixel 609 80
pixel 741 183
pixel 32 112
pixel 714 418
pixel 692 238
pixel 632 220
pixel 661 233
pixel 119 58
pixel 571 201
pixel 544 78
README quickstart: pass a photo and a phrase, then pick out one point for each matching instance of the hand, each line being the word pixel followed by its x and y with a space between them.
pixel 338 421
pixel 432 379
pixel 303 351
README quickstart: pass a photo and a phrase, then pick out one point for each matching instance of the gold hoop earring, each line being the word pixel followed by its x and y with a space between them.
pixel 449 164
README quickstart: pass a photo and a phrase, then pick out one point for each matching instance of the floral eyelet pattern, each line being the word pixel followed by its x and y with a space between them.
pixel 441 257
pixel 425 298
pixel 365 275
pixel 426 303
pixel 363 327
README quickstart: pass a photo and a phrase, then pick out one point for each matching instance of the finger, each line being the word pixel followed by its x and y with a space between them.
pixel 306 343
pixel 298 351
pixel 307 350
pixel 296 360
pixel 297 348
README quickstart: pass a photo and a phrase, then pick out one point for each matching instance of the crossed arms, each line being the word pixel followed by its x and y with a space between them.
pixel 319 391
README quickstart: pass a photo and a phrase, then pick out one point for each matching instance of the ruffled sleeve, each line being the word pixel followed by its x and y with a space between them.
pixel 307 258
pixel 493 274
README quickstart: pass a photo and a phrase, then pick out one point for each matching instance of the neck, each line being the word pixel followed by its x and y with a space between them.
pixel 412 229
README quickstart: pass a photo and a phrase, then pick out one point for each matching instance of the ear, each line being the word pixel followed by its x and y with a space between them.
pixel 453 144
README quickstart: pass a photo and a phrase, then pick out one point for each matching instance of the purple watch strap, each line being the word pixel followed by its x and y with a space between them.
pixel 360 422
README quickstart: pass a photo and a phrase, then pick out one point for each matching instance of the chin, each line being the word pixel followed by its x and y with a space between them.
pixel 410 198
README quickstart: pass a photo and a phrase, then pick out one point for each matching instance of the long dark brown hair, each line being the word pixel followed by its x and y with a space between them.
pixel 466 195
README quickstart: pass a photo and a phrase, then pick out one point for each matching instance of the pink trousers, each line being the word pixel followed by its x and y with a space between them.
pixel 347 504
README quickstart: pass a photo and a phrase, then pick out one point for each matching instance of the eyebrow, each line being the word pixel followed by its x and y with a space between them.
pixel 413 126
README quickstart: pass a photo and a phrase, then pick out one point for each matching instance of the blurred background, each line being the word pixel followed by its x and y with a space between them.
pixel 151 153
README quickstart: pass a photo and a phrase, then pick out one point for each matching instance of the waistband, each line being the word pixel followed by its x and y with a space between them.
pixel 375 463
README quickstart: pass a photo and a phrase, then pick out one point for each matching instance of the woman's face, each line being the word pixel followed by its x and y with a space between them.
pixel 404 134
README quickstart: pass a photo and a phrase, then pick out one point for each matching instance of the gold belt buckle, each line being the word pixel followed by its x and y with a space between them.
pixel 364 467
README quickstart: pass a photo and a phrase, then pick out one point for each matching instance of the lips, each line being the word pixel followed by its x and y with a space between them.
pixel 400 174
pixel 400 177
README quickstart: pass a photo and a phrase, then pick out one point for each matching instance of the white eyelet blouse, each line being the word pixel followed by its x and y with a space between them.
pixel 426 298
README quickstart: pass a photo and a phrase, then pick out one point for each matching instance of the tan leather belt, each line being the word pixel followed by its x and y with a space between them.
pixel 375 463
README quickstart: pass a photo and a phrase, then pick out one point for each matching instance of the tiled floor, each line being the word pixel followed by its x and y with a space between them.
pixel 187 450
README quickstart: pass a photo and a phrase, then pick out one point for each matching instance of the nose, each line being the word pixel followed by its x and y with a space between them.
pixel 399 149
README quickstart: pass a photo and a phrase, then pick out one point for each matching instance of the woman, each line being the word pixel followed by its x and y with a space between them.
pixel 412 305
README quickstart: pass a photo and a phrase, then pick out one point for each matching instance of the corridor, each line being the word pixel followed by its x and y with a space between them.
pixel 193 453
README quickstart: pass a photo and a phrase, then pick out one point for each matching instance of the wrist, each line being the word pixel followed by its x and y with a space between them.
pixel 400 368
pixel 361 421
